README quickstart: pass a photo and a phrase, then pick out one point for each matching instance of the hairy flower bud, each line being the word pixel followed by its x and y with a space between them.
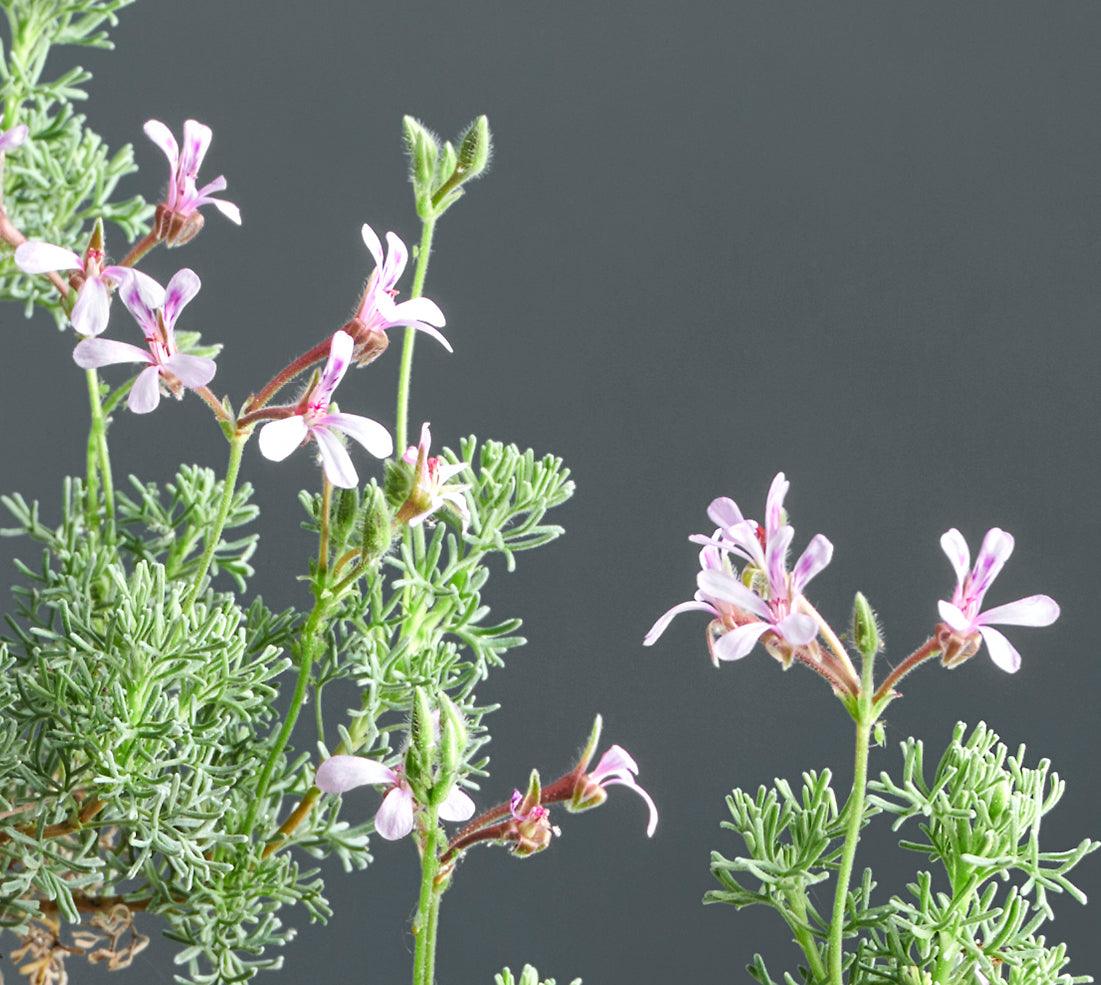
pixel 344 518
pixel 378 526
pixel 475 147
pixel 865 629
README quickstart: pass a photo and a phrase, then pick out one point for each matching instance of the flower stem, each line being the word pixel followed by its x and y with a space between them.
pixel 930 648
pixel 804 937
pixel 99 458
pixel 139 249
pixel 229 486
pixel 405 373
pixel 426 922
pixel 854 808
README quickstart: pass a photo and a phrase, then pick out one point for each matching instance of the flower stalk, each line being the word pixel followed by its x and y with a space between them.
pixel 405 370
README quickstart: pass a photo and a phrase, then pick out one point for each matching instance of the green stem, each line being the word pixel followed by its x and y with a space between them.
pixel 229 486
pixel 425 923
pixel 99 458
pixel 854 808
pixel 405 373
pixel 805 938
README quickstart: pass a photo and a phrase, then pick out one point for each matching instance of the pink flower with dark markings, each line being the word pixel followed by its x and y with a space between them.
pixel 13 138
pixel 92 309
pixel 178 217
pixel 395 816
pixel 432 485
pixel 167 368
pixel 378 309
pixel 743 614
pixel 963 614
pixel 313 420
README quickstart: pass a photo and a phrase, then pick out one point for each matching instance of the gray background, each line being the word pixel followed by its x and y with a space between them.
pixel 856 242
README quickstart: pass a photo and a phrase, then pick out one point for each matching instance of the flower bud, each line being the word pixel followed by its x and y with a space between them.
pixel 398 480
pixel 475 148
pixel 378 526
pixel 344 518
pixel 423 149
pixel 420 758
pixel 865 629
pixel 1000 797
pixel 453 736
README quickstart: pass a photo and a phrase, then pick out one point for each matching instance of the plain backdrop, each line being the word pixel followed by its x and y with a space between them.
pixel 856 242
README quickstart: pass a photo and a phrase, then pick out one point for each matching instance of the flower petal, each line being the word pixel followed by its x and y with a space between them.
pixel 719 585
pixel 191 371
pixel 774 506
pixel 162 137
pixel 340 355
pixel 776 559
pixel 341 773
pixel 724 512
pixel 335 459
pixel 664 620
pixel 151 291
pixel 372 435
pixel 145 394
pixel 954 617
pixel 196 141
pixel 34 257
pixel 1036 610
pixel 374 244
pixel 397 255
pixel 94 353
pixel 279 438
pixel 92 308
pixel 1002 652
pixel 394 818
pixel 615 761
pixel 183 286
pixel 652 824
pixel 457 806
pixel 953 544
pixel 739 642
pixel 997 545
pixel 422 310
pixel 817 555
pixel 228 209
pixel 798 628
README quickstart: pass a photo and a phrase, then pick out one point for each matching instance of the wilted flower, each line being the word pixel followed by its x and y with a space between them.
pixel 432 486
pixel 156 312
pixel 395 816
pixel 13 138
pixel 963 615
pixel 313 420
pixel 178 218
pixel 94 282
pixel 378 310
pixel 530 830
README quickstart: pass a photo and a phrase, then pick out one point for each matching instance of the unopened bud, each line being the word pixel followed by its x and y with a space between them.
pixel 423 150
pixel 398 480
pixel 347 509
pixel 378 527
pixel 419 760
pixel 865 630
pixel 95 241
pixel 453 736
pixel 1000 797
pixel 474 150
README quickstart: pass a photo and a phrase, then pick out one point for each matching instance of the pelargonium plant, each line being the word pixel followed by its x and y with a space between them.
pixel 147 776
pixel 976 913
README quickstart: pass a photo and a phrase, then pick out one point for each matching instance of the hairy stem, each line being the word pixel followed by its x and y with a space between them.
pixel 426 921
pixel 805 938
pixel 229 486
pixel 99 458
pixel 139 249
pixel 929 649
pixel 405 372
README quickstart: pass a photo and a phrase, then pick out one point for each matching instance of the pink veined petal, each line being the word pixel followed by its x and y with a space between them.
pixel 798 629
pixel 341 773
pixel 739 642
pixel 279 438
pixel 216 185
pixel 191 371
pixel 397 255
pixel 340 355
pixel 162 137
pixel 34 257
pixel 374 244
pixel 183 286
pixel 138 298
pixel 776 559
pixel 196 141
pixel 335 459
pixel 152 292
pixel 818 554
pixel 719 585
pixel 94 353
pixel 996 548
pixel 1002 652
pixel 1036 610
pixel 774 505
pixel 421 309
pixel 145 394
pixel 394 819
pixel 663 622
pixel 457 806
pixel 711 558
pixel 372 435
pixel 615 761
pixel 92 308
pixel 724 512
pixel 743 540
pixel 954 617
pixel 953 544
pixel 228 209
pixel 652 824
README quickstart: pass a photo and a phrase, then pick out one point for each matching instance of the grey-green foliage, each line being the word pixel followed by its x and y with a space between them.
pixel 979 909
pixel 529 976
pixel 112 691
pixel 64 177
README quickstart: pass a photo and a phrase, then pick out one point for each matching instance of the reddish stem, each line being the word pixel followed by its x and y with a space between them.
pixel 13 237
pixel 266 414
pixel 214 404
pixel 288 373
pixel 139 249
pixel 930 648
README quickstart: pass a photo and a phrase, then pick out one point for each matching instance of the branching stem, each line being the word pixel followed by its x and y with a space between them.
pixel 405 371
pixel 229 487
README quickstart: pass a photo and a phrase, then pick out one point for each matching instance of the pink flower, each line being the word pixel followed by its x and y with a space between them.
pixel 378 311
pixel 156 312
pixel 313 420
pixel 432 486
pixel 963 613
pixel 615 768
pixel 183 198
pixel 93 300
pixel 13 138
pixel 744 614
pixel 395 817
